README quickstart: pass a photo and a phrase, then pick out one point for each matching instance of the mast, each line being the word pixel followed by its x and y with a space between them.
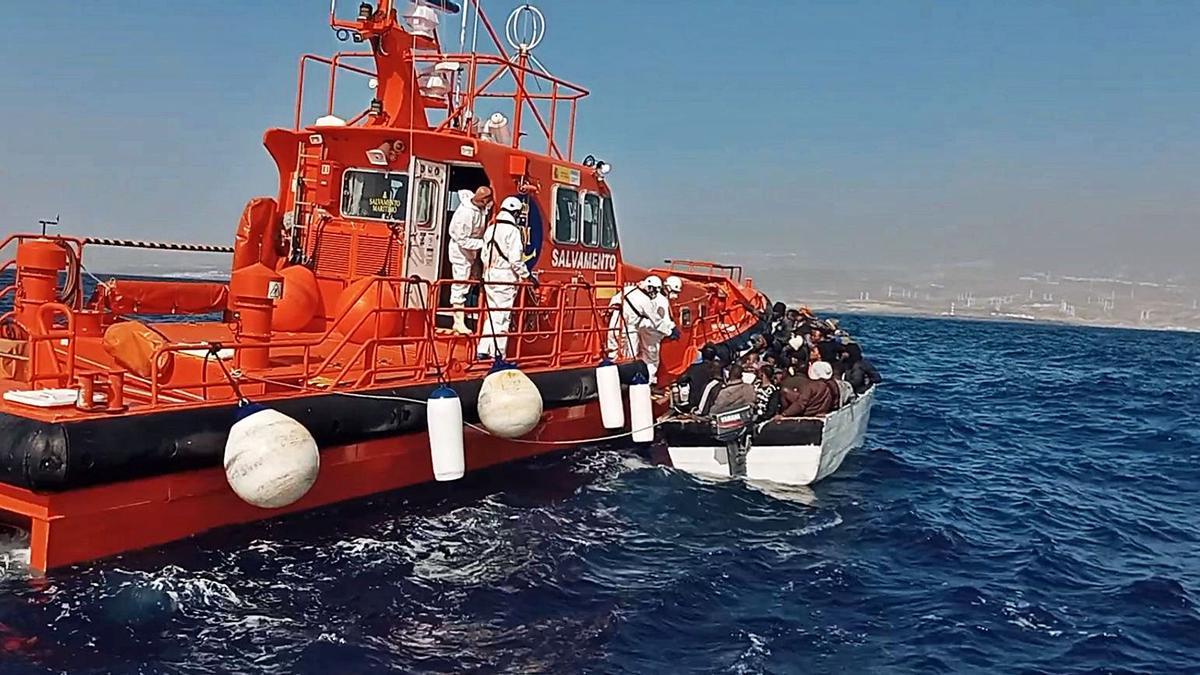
pixel 397 101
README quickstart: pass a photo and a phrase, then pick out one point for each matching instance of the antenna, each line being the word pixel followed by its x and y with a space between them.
pixel 525 28
pixel 49 223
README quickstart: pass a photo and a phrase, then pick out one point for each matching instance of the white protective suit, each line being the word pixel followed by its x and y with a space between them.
pixel 616 340
pixel 651 338
pixel 502 266
pixel 644 327
pixel 466 226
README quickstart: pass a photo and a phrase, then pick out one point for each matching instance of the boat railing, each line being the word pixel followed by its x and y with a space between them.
pixel 705 268
pixel 566 332
pixel 554 325
pixel 476 77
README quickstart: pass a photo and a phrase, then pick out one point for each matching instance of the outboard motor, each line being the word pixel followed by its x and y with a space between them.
pixel 733 428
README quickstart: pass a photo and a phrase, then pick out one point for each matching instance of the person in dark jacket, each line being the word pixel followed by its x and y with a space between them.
pixel 811 394
pixel 860 372
pixel 698 376
pixel 782 322
pixel 737 392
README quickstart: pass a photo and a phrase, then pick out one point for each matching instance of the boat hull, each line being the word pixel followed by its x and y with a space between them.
pixel 56 456
pixel 385 448
pixel 96 522
pixel 792 451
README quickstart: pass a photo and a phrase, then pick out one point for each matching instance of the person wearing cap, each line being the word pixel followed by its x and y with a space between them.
pixel 466 226
pixel 810 394
pixel 503 267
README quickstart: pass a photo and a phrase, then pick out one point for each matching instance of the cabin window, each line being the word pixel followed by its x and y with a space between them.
pixel 608 225
pixel 566 215
pixel 375 195
pixel 591 220
pixel 426 197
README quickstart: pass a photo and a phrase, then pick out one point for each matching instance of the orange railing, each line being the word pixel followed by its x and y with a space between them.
pixel 548 336
pixel 480 72
pixel 567 332
pixel 705 268
pixel 557 325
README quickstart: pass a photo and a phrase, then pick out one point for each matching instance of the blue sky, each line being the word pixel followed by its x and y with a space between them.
pixel 906 133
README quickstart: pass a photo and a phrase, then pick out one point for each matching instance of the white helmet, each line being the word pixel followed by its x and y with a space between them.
pixel 506 217
pixel 512 204
pixel 652 282
pixel 674 285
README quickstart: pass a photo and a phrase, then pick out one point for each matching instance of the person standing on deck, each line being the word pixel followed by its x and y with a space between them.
pixel 466 226
pixel 638 310
pixel 616 331
pixel 651 339
pixel 503 267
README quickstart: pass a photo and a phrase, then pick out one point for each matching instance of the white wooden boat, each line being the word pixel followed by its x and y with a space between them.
pixel 791 451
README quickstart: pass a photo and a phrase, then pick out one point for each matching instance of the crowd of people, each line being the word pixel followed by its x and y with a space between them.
pixel 802 366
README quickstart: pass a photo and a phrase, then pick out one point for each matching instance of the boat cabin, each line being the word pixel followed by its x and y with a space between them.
pixel 372 197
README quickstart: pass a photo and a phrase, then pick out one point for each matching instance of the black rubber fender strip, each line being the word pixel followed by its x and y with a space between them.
pixel 62 456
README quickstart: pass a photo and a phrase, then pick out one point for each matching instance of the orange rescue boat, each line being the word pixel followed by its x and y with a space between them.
pixel 117 405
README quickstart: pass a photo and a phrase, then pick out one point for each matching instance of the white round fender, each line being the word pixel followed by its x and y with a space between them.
pixel 271 460
pixel 509 404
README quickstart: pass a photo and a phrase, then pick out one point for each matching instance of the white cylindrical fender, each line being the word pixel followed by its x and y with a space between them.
pixel 509 404
pixel 641 410
pixel 443 418
pixel 271 460
pixel 608 386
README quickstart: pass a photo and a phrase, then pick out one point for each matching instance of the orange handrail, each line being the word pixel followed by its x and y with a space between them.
pixel 572 328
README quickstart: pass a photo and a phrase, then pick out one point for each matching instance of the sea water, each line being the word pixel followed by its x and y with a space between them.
pixel 1028 501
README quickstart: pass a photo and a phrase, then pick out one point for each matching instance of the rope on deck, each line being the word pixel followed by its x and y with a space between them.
pixel 158 245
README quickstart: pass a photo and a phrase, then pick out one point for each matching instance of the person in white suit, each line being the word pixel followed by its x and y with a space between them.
pixel 641 323
pixel 466 226
pixel 651 338
pixel 503 267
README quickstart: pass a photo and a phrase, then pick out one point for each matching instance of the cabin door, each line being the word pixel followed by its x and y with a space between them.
pixel 426 216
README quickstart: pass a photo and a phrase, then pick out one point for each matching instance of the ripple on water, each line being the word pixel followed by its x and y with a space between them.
pixel 1023 505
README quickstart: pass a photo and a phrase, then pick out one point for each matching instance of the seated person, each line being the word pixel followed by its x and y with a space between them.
pixel 697 378
pixel 766 394
pixel 860 372
pixel 737 392
pixel 796 364
pixel 822 347
pixel 810 394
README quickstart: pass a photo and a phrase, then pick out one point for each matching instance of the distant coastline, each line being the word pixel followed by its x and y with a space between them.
pixel 911 312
